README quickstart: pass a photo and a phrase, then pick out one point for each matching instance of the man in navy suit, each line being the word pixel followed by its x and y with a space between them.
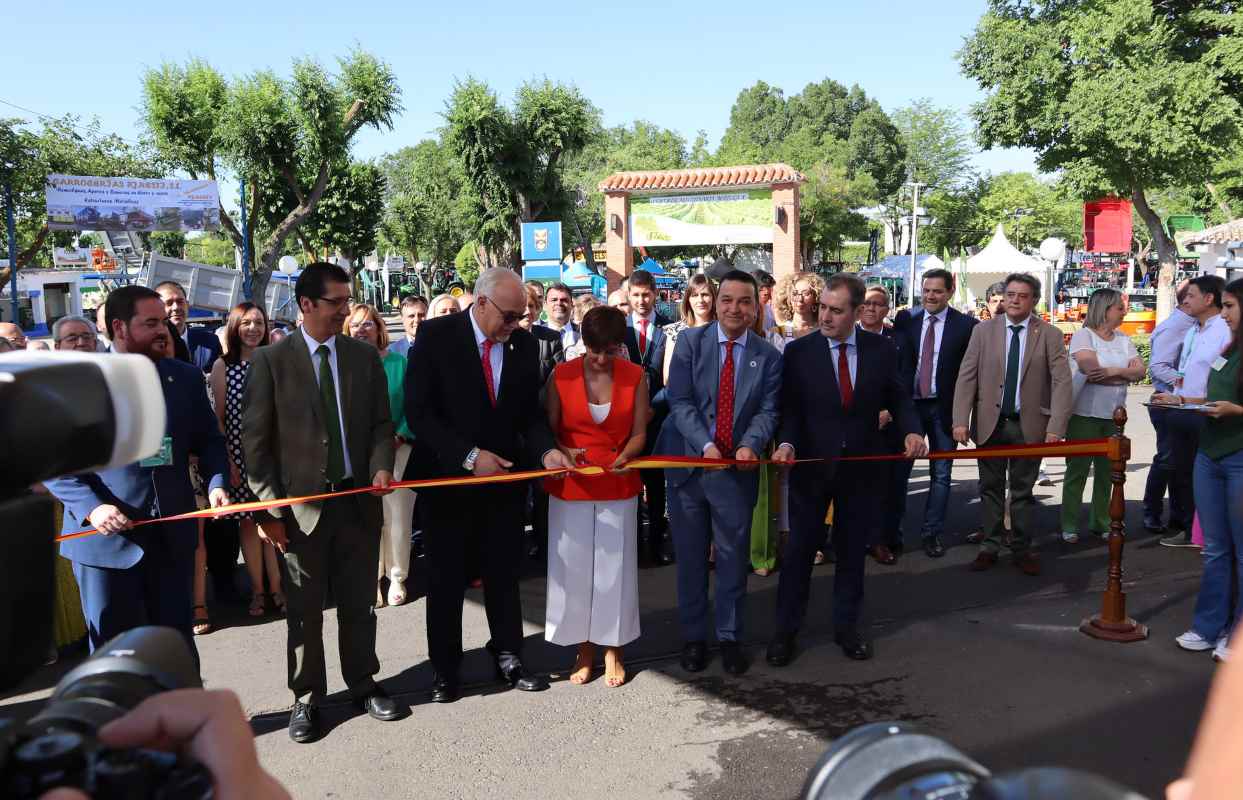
pixel 835 382
pixel 645 342
pixel 724 394
pixel 932 341
pixel 203 345
pixel 143 576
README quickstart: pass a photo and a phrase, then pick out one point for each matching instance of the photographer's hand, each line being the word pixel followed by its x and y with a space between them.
pixel 208 726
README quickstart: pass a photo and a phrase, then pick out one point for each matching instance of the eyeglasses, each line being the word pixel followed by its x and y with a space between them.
pixel 507 317
pixel 365 325
pixel 875 304
pixel 74 338
pixel 335 302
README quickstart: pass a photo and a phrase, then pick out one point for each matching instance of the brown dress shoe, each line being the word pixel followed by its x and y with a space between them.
pixel 1028 563
pixel 983 561
pixel 882 554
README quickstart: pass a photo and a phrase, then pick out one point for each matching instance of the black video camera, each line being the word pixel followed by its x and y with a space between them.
pixel 63 413
pixel 896 761
pixel 58 746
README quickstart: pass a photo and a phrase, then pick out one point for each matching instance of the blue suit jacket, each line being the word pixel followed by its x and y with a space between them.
pixel 907 327
pixel 812 417
pixel 204 348
pixel 694 382
pixel 148 492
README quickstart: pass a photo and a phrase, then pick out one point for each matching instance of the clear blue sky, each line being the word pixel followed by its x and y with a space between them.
pixel 676 63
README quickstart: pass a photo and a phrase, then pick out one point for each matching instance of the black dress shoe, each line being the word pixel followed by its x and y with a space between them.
pixel 780 650
pixel 854 646
pixel 303 722
pixel 933 546
pixel 694 656
pixel 732 659
pixel 510 670
pixel 445 690
pixel 379 705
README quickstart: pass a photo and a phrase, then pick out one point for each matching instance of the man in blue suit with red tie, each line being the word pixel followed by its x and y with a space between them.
pixel 129 576
pixel 834 384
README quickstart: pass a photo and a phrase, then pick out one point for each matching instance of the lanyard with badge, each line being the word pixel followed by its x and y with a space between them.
pixel 162 457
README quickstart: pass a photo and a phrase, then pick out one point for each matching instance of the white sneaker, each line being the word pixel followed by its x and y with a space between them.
pixel 1222 651
pixel 1070 538
pixel 1044 479
pixel 1194 642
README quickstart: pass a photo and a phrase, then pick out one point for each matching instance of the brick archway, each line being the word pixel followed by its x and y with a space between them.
pixel 782 179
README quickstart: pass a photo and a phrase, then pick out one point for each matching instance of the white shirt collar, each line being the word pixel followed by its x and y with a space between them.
pixel 940 315
pixel 741 340
pixel 1204 325
pixel 480 336
pixel 1025 323
pixel 850 341
pixel 651 319
pixel 313 345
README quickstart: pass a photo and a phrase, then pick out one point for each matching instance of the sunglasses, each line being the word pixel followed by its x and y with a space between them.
pixel 507 317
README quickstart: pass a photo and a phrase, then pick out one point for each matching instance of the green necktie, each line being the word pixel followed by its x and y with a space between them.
pixel 332 416
pixel 1012 373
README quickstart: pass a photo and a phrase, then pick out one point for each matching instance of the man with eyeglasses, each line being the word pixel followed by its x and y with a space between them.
pixel 74 333
pixel 316 420
pixel 473 402
pixel 885 544
pixel 14 334
pixel 1013 388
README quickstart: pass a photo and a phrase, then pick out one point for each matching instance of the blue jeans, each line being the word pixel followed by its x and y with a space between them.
pixel 1219 501
pixel 939 488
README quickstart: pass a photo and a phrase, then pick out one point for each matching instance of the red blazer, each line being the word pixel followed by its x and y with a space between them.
pixel 602 442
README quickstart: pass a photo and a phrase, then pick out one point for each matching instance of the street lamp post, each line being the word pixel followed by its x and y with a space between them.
pixel 915 187
pixel 12 230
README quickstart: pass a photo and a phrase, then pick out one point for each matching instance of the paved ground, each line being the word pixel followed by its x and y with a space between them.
pixel 992 662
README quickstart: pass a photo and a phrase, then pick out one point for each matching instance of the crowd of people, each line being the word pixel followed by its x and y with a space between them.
pixel 784 379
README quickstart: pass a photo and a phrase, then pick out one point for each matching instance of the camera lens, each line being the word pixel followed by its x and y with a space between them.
pixel 892 760
pixel 48 761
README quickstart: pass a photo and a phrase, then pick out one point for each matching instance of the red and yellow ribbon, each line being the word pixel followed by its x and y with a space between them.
pixel 1085 447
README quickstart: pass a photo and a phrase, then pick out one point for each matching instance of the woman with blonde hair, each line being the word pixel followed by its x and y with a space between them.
pixel 366 324
pixel 796 303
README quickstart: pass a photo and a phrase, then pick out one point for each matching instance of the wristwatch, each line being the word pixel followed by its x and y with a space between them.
pixel 471 458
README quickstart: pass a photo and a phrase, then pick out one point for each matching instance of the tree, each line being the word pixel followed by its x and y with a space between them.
pixel 214 249
pixel 429 208
pixel 284 137
pixel 827 213
pixel 167 243
pixel 511 158
pixel 1031 210
pixel 876 148
pixel 758 121
pixel 348 215
pixel 59 146
pixel 955 223
pixel 1122 97
pixel 938 145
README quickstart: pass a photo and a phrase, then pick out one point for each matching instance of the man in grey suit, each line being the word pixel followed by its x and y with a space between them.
pixel 1013 388
pixel 724 395
pixel 315 419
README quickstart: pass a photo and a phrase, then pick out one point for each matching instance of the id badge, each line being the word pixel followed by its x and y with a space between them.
pixel 163 457
pixel 1219 364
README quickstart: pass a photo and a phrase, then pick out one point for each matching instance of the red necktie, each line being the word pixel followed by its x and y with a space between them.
pixel 843 377
pixel 725 405
pixel 642 337
pixel 487 370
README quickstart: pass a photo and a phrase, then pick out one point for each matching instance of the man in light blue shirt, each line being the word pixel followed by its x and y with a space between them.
pixel 413 312
pixel 1165 348
pixel 1202 344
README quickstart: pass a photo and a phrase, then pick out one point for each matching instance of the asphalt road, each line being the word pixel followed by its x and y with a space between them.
pixel 992 662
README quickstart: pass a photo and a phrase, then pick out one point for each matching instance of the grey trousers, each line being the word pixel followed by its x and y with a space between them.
pixel 343 555
pixel 1022 474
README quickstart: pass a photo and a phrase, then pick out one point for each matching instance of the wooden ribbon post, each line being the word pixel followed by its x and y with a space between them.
pixel 1112 624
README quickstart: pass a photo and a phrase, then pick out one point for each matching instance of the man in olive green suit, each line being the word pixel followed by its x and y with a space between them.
pixel 315 418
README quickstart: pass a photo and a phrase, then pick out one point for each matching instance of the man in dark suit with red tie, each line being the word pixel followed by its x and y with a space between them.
pixel 473 402
pixel 835 382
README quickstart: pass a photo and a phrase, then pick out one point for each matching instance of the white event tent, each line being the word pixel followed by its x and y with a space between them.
pixel 997 260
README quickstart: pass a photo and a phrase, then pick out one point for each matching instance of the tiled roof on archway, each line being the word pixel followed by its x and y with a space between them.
pixel 702 178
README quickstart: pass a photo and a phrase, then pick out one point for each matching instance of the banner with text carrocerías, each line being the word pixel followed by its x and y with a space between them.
pixel 735 217
pixel 84 202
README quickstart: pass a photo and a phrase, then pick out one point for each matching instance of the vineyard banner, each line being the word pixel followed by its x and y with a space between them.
pixel 82 202
pixel 737 217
